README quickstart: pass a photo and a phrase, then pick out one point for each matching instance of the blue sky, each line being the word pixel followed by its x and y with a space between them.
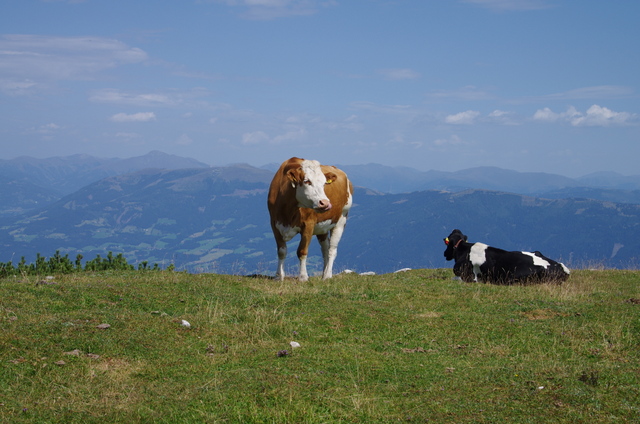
pixel 530 85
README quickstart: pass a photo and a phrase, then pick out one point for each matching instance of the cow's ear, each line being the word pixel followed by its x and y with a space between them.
pixel 295 176
pixel 464 238
pixel 331 177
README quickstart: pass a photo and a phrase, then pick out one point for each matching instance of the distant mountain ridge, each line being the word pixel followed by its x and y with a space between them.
pixel 406 180
pixel 214 219
pixel 29 183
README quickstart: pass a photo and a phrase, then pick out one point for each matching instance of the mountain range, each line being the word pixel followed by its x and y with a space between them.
pixel 172 210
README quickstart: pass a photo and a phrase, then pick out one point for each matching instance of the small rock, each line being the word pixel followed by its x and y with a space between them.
pixel 103 326
pixel 60 363
pixel 74 352
pixel 294 344
pixel 185 323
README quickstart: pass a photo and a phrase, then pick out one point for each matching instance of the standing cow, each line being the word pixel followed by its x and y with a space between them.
pixel 311 199
pixel 479 262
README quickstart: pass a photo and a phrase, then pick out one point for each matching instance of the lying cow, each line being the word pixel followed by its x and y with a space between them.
pixel 479 262
pixel 311 199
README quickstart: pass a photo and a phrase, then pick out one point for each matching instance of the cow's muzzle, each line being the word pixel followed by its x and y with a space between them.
pixel 324 205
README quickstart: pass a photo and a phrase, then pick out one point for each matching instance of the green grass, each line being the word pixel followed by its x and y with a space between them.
pixel 407 347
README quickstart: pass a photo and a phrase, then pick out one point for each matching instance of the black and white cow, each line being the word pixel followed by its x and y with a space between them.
pixel 479 262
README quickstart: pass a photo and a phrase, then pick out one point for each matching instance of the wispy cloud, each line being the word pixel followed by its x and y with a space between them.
pixel 141 99
pixel 53 58
pixel 255 137
pixel 453 140
pixel 134 117
pixel 468 93
pixel 511 5
pixel 399 74
pixel 273 9
pixel 46 129
pixel 135 99
pixel 595 92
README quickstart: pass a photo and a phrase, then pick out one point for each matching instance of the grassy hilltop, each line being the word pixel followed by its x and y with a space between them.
pixel 415 346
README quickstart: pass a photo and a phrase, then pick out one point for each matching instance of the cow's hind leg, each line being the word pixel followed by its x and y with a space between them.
pixel 324 240
pixel 282 252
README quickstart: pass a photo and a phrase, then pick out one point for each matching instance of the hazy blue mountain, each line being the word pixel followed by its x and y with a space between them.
pixel 404 180
pixel 600 186
pixel 28 182
pixel 216 220
pixel 610 180
pixel 611 195
pixel 19 196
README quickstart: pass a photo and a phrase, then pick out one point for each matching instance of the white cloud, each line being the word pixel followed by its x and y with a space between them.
pixel 399 74
pixel 463 118
pixel 594 116
pixel 135 117
pixel 601 116
pixel 546 114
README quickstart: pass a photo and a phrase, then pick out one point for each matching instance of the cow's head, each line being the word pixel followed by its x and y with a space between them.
pixel 453 241
pixel 309 181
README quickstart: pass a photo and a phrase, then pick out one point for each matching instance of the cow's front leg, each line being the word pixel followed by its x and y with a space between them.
pixel 303 250
pixel 332 248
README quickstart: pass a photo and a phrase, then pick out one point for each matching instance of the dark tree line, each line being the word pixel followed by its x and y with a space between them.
pixel 58 264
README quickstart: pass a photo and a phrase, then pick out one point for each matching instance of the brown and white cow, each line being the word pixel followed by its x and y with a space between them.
pixel 311 199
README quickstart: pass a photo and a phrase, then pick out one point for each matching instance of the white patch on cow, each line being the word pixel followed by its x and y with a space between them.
pixel 477 256
pixel 303 276
pixel 537 260
pixel 323 227
pixel 347 206
pixel 566 270
pixel 287 232
pixel 311 191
